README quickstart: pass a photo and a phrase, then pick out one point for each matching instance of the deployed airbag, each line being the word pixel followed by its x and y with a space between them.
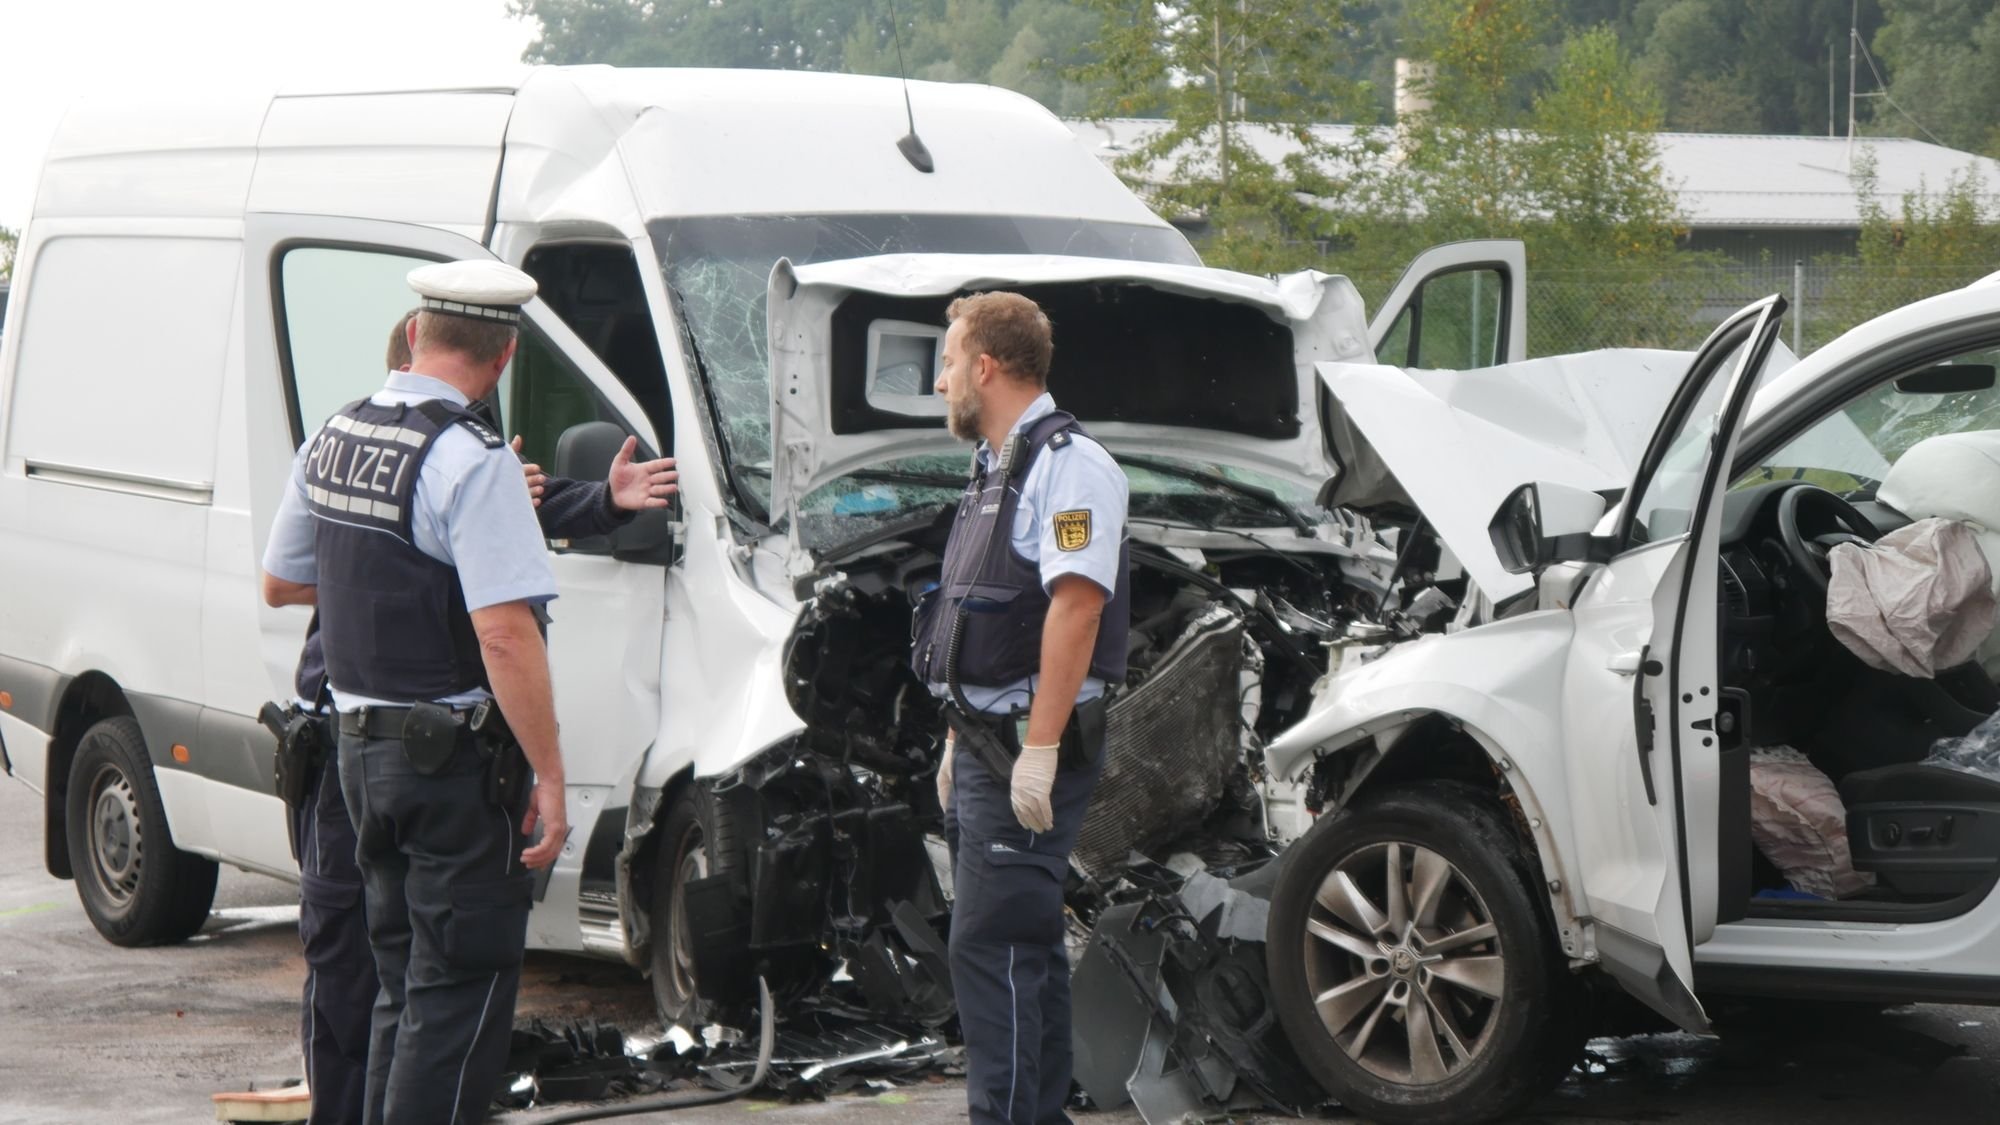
pixel 1917 601
pixel 1799 822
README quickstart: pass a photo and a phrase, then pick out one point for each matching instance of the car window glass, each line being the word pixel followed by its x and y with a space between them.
pixel 542 394
pixel 1394 349
pixel 1850 450
pixel 1666 505
pixel 340 306
pixel 1460 325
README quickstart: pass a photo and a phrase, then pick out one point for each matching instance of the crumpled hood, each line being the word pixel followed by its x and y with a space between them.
pixel 1453 444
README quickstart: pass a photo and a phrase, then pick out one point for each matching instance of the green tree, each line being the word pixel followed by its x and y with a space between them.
pixel 1236 85
pixel 1024 45
pixel 1573 172
pixel 10 241
pixel 1729 66
pixel 796 34
pixel 1944 69
pixel 1925 243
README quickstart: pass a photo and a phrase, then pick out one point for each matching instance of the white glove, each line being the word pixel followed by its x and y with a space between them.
pixel 1034 779
pixel 944 771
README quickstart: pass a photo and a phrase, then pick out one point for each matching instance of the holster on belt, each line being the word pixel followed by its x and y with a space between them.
pixel 506 763
pixel 996 738
pixel 979 733
pixel 304 740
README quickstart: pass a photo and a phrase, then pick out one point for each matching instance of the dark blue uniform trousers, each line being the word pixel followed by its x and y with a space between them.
pixel 340 970
pixel 447 901
pixel 1008 967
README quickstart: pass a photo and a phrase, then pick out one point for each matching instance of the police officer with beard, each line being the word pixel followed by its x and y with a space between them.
pixel 1022 638
pixel 341 983
pixel 429 572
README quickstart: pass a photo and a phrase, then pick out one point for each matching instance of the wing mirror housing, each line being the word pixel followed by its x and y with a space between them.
pixel 1541 524
pixel 585 452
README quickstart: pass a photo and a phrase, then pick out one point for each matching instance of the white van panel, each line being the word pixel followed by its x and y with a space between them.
pixel 27 751
pixel 110 455
pixel 227 823
pixel 188 155
pixel 721 142
pixel 412 158
pixel 122 348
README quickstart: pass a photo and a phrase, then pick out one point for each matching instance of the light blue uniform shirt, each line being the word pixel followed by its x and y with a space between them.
pixel 1078 477
pixel 472 512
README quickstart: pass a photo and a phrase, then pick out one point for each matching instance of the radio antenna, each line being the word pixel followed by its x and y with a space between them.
pixel 911 146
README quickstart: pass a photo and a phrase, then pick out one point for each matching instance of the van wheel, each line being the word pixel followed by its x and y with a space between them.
pixel 137 887
pixel 696 840
pixel 1411 964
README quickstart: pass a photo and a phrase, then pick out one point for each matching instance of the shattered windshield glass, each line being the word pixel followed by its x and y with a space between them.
pixel 718 268
pixel 911 491
pixel 1850 450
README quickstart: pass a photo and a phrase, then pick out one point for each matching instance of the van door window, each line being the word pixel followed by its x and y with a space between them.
pixel 337 309
pixel 595 288
pixel 542 394
pixel 1452 324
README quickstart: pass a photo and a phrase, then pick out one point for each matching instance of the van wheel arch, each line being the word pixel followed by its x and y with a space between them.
pixel 87 700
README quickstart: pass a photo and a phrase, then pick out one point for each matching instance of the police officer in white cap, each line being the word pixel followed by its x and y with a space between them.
pixel 429 572
pixel 338 998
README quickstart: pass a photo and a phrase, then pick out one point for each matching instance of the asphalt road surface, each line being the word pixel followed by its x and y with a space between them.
pixel 90 1032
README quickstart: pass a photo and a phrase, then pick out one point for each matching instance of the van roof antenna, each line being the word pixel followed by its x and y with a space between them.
pixel 911 146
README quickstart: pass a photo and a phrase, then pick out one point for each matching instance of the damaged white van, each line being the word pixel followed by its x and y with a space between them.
pixel 1565 796
pixel 746 271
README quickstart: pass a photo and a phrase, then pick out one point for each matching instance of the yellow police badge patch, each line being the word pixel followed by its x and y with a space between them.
pixel 1073 530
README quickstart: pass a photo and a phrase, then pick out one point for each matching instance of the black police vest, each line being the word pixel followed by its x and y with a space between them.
pixel 393 622
pixel 1000 591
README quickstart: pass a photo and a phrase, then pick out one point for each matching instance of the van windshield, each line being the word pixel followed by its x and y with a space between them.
pixel 718 268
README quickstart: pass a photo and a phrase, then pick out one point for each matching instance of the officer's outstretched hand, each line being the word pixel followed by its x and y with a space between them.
pixel 646 484
pixel 536 477
pixel 546 809
pixel 1034 779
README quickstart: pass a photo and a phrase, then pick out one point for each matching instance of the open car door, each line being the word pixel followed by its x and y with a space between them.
pixel 1643 692
pixel 1456 307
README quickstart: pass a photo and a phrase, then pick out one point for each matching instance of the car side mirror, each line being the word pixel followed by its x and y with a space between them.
pixel 1543 523
pixel 585 452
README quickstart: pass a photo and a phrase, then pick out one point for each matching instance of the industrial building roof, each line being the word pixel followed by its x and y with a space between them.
pixel 1722 180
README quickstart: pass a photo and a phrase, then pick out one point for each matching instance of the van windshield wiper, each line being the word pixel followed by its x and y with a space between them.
pixel 1264 496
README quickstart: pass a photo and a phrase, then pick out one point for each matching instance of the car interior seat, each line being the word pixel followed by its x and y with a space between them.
pixel 1929 830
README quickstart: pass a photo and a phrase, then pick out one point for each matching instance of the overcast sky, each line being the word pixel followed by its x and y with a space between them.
pixel 51 51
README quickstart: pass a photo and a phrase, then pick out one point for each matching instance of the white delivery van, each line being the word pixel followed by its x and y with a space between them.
pixel 746 271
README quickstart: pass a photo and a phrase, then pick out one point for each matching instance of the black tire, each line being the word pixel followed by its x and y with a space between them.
pixel 696 839
pixel 136 886
pixel 1517 1043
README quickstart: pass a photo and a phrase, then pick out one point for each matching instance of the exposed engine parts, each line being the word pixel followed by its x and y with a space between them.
pixel 827 872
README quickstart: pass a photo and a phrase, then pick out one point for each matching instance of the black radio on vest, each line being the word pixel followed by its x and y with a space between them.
pixel 982 626
pixel 393 619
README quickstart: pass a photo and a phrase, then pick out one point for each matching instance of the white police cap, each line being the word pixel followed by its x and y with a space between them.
pixel 481 289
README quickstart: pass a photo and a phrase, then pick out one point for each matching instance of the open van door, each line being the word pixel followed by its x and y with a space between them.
pixel 1456 307
pixel 322 294
pixel 1643 703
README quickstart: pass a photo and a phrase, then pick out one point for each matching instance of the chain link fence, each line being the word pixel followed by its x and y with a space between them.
pixel 1582 310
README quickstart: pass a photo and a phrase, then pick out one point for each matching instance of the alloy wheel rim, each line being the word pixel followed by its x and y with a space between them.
pixel 1404 963
pixel 116 839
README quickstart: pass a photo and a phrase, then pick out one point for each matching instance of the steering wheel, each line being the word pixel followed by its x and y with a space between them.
pixel 1810 556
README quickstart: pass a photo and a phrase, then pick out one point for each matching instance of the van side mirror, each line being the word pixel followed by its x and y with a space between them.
pixel 585 452
pixel 1543 523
